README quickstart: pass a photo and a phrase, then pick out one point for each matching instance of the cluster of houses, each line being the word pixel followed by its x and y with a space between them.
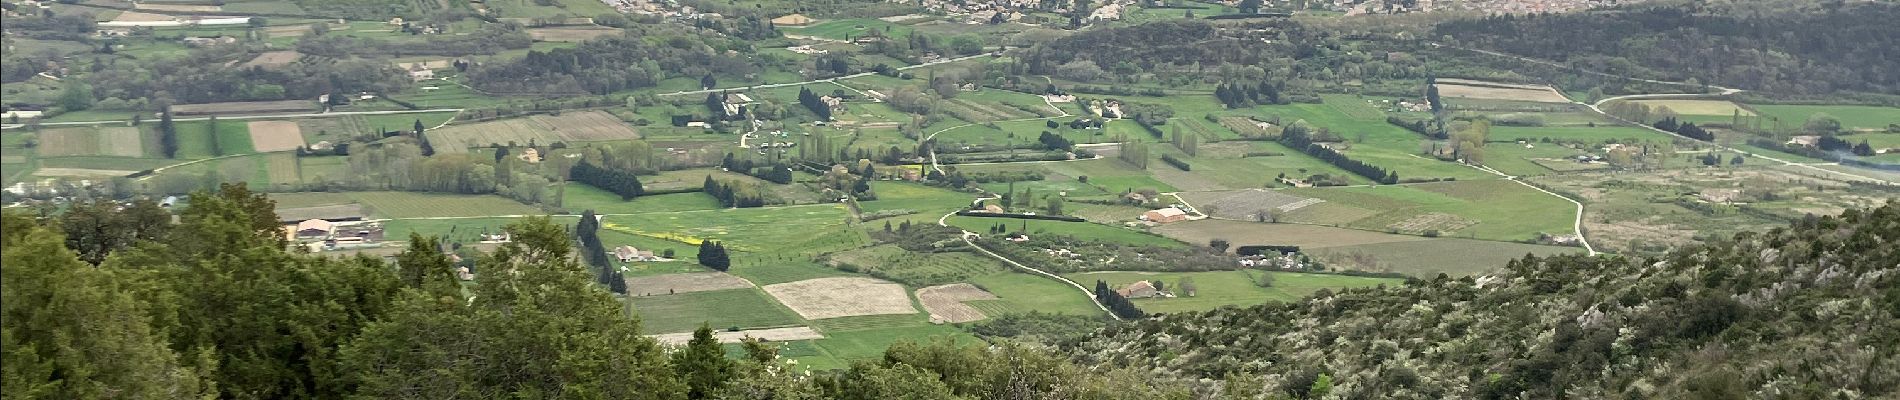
pixel 1286 261
pixel 631 254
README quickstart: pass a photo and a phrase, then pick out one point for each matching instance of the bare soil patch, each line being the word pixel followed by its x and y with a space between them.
pixel 543 129
pixel 569 34
pixel 1542 94
pixel 79 172
pixel 588 125
pixel 945 302
pixel 134 16
pixel 269 136
pixel 68 142
pixel 773 335
pixel 842 297
pixel 1255 233
pixel 178 7
pixel 1246 204
pixel 123 141
pixel 273 59
pixel 109 141
pixel 1441 222
pixel 683 283
pixel 430 64
pixel 287 31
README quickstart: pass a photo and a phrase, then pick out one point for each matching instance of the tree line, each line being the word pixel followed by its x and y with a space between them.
pixel 712 254
pixel 1116 303
pixel 815 103
pixel 594 253
pixel 735 193
pixel 1295 136
pixel 623 183
pixel 1240 95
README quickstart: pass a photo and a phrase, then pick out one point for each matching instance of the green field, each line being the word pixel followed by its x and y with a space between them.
pixel 861 338
pixel 1215 289
pixel 1365 250
pixel 1598 134
pixel 770 232
pixel 917 269
pixel 402 205
pixel 850 28
pixel 427 205
pixel 577 197
pixel 765 271
pixel 531 8
pixel 108 163
pixel 1080 230
pixel 722 309
pixel 1372 139
pixel 1020 292
pixel 914 197
pixel 1108 174
pixel 1539 159
pixel 1491 209
pixel 196 139
pixel 1852 117
pixel 1428 258
pixel 463 230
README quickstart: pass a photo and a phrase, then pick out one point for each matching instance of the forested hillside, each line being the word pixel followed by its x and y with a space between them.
pixel 1830 48
pixel 110 303
pixel 1811 311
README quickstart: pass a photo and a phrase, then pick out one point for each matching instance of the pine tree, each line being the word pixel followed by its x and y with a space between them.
pixel 423 266
pixel 703 364
pixel 217 148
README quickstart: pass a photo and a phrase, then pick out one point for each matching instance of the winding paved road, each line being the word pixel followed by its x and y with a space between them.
pixel 966 235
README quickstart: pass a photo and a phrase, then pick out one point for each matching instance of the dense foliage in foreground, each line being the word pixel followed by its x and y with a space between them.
pixel 1811 311
pixel 214 307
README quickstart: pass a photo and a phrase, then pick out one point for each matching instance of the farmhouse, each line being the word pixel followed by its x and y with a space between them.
pixel 208 41
pixel 531 156
pixel 1164 215
pixel 1720 195
pixel 419 73
pixel 631 254
pixel 464 274
pixel 1139 289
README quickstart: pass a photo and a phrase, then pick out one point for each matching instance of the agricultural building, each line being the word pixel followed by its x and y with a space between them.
pixel 1164 215
pixel 419 73
pixel 1139 289
pixel 314 228
pixel 631 254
